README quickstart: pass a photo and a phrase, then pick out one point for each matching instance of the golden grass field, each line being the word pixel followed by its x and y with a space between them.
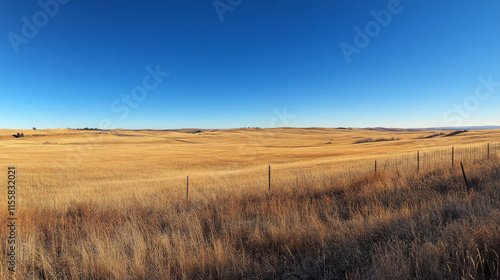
pixel 112 204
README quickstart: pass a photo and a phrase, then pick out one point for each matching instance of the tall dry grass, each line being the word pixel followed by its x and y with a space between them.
pixel 384 225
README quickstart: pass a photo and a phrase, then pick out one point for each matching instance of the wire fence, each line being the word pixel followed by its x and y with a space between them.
pixel 420 161
pixel 432 159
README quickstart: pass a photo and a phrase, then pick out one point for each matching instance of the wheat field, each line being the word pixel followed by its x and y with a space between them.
pixel 97 204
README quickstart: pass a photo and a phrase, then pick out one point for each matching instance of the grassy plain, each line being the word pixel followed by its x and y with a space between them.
pixel 112 205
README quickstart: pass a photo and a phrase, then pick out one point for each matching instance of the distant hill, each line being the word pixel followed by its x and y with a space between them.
pixel 467 127
pixel 484 127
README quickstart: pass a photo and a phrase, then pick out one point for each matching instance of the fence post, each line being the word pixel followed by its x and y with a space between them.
pixel 418 161
pixel 187 188
pixel 452 157
pixel 269 177
pixel 488 150
pixel 465 178
pixel 375 166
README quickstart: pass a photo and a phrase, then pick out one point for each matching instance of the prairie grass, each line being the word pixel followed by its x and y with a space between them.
pixel 108 221
pixel 381 226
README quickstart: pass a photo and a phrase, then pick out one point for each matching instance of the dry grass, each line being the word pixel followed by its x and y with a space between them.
pixel 117 209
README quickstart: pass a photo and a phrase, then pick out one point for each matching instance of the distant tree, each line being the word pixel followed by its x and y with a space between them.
pixel 34 128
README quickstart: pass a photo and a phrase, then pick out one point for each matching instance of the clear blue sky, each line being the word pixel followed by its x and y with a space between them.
pixel 241 63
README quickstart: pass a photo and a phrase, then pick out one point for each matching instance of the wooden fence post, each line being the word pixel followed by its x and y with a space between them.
pixel 187 188
pixel 418 161
pixel 465 178
pixel 375 166
pixel 488 150
pixel 269 177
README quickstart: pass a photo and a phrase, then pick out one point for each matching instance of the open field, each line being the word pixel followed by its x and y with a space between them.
pixel 112 204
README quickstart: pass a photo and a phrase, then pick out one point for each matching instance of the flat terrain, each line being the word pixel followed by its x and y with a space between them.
pixel 112 204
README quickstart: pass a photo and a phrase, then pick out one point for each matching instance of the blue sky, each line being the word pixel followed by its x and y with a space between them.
pixel 237 63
